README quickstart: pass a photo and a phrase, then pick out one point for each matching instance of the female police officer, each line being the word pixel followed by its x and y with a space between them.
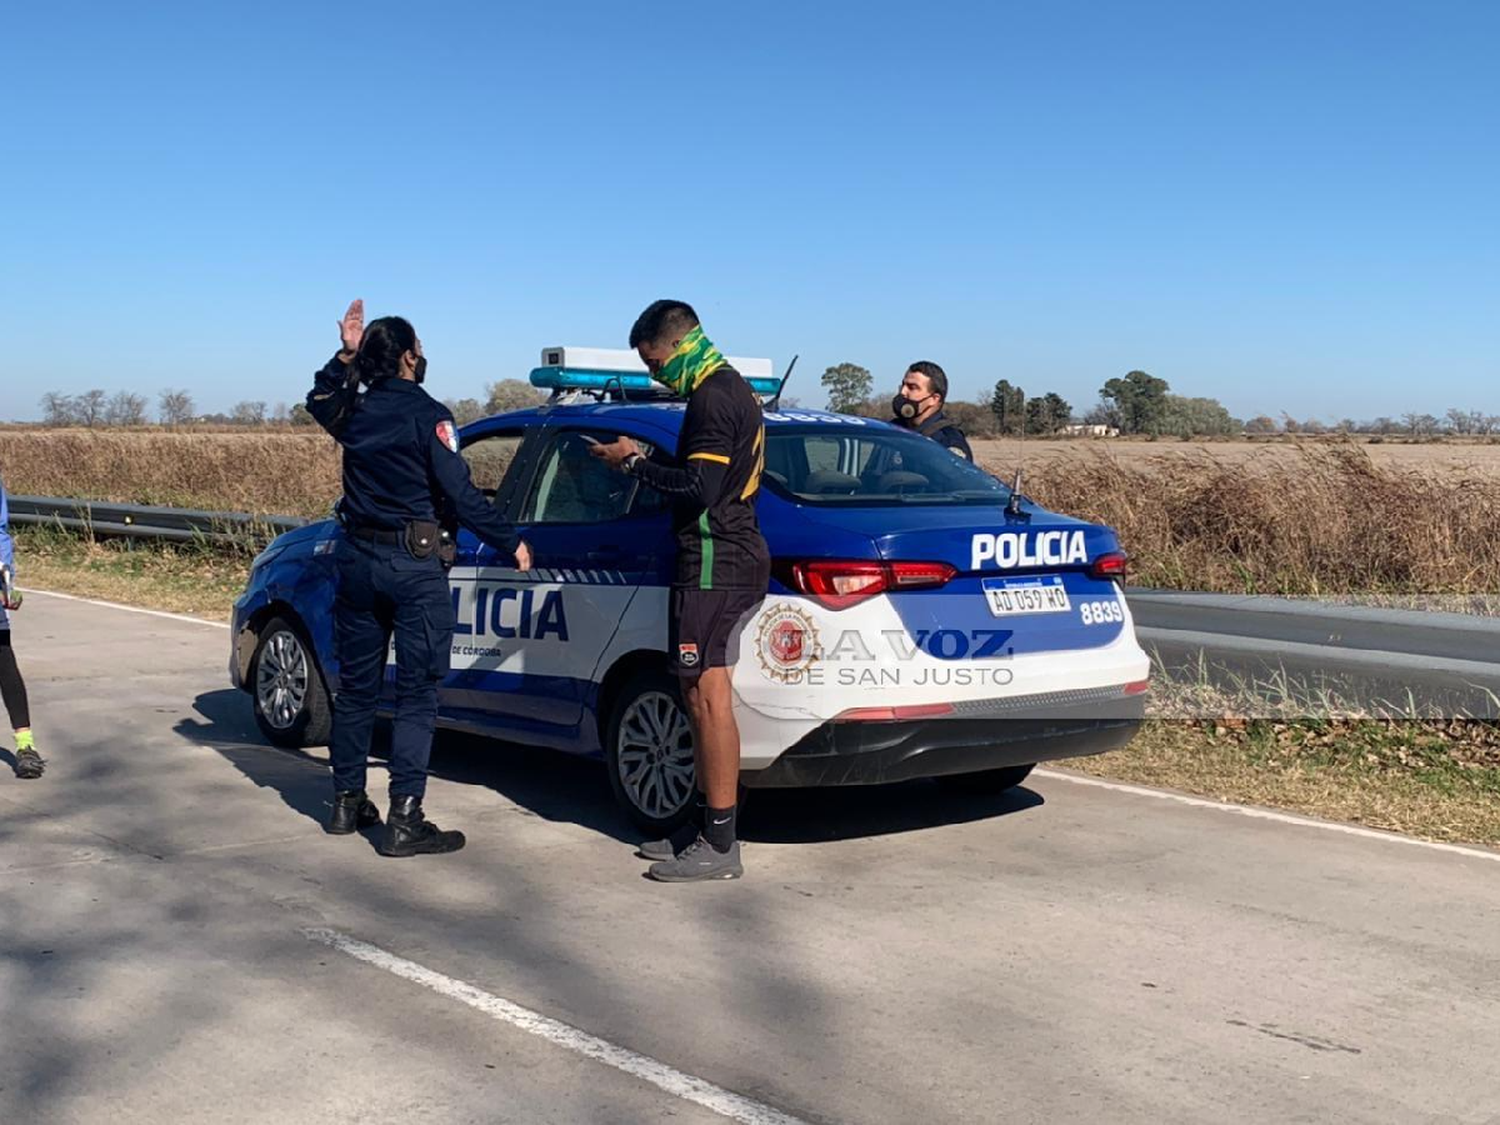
pixel 402 476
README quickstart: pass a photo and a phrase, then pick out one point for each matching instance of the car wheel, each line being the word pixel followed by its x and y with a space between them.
pixel 986 781
pixel 649 752
pixel 291 701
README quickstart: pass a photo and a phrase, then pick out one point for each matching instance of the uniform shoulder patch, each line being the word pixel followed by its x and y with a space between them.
pixel 448 435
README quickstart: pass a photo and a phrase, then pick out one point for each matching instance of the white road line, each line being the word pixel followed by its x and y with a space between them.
pixel 734 1106
pixel 128 608
pixel 1269 814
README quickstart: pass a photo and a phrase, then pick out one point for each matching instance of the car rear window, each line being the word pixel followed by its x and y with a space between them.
pixel 852 467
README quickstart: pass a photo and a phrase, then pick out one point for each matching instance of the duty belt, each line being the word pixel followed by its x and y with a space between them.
pixel 377 535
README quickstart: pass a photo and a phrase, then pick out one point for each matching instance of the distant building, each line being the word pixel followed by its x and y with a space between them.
pixel 1081 429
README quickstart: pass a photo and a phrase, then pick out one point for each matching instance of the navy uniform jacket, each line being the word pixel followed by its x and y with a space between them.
pixel 401 459
pixel 942 431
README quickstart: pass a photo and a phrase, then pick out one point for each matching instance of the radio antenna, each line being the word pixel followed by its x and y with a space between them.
pixel 775 403
pixel 1014 507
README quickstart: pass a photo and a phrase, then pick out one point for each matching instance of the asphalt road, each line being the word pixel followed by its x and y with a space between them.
pixel 1066 953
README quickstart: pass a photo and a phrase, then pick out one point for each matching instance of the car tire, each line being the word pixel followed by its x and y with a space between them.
pixel 648 751
pixel 292 707
pixel 986 781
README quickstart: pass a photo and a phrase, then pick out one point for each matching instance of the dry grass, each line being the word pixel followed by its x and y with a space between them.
pixel 285 472
pixel 1308 517
pixel 191 580
pixel 1399 454
pixel 1311 520
pixel 1437 781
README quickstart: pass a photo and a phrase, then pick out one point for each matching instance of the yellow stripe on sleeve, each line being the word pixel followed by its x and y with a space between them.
pixel 719 457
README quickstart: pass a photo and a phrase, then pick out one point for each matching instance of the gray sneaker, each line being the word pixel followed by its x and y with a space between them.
pixel 699 861
pixel 667 848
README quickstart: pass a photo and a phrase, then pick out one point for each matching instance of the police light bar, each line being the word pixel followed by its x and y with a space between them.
pixel 603 369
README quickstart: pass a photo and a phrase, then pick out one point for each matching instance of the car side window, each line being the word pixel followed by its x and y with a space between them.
pixel 829 463
pixel 572 486
pixel 493 462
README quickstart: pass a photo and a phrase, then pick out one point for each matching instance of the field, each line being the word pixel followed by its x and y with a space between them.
pixel 1445 457
pixel 1312 517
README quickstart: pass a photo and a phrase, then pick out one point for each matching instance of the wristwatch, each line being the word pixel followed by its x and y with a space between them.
pixel 630 462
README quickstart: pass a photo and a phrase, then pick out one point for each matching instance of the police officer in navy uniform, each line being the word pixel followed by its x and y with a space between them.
pixel 403 477
pixel 918 405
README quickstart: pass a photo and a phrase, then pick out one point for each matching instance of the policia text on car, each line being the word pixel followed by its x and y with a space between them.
pixel 723 565
pixel 405 490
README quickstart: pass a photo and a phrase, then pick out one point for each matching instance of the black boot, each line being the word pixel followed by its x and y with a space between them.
pixel 351 810
pixel 409 832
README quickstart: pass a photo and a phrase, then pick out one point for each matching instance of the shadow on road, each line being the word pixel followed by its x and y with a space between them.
pixel 568 789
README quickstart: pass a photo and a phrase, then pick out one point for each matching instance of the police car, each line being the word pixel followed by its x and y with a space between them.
pixel 922 619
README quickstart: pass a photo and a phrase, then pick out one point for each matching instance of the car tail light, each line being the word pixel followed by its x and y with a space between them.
pixel 911 575
pixel 1110 565
pixel 840 583
pixel 1140 687
pixel 894 714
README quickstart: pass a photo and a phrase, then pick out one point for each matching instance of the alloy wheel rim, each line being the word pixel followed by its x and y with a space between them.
pixel 655 754
pixel 281 679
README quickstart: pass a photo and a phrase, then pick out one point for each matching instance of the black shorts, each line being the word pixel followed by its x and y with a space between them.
pixel 704 626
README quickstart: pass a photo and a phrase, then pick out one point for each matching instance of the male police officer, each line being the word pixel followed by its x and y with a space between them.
pixel 402 476
pixel 918 405
pixel 723 565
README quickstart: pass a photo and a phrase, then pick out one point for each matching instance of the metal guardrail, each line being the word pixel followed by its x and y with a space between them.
pixel 1421 662
pixel 140 521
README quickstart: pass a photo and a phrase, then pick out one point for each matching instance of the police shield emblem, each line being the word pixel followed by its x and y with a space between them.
pixel 786 642
pixel 448 435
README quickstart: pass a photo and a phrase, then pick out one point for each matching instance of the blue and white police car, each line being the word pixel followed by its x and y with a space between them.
pixel 921 621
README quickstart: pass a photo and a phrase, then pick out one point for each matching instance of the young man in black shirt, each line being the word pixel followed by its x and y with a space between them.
pixel 723 566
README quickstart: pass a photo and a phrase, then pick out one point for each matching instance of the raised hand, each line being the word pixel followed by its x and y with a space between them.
pixel 352 327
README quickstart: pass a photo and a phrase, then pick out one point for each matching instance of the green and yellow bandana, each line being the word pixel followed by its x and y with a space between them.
pixel 694 360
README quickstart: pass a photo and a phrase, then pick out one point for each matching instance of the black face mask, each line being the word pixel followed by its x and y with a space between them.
pixel 419 370
pixel 904 408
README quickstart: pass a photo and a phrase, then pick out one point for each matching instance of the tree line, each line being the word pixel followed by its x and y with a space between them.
pixel 1459 423
pixel 1138 403
pixel 1135 403
pixel 174 407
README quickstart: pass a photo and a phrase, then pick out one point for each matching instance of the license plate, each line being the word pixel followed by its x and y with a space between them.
pixel 1010 597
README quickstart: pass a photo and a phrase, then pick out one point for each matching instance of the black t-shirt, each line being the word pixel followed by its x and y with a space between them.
pixel 713 481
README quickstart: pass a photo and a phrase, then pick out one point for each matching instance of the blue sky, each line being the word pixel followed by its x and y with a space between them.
pixel 1288 206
